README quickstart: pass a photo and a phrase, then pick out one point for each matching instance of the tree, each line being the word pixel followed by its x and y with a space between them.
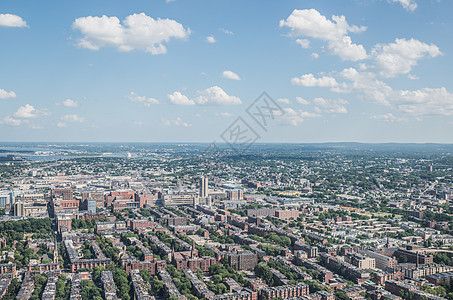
pixel 263 271
pixel 340 295
pixel 62 289
pixel 90 291
pixel 158 286
pixel 145 275
pixel 219 288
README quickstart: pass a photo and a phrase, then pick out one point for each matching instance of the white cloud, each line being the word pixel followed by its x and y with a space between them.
pixel 68 103
pixel 11 121
pixel 424 102
pixel 5 95
pixel 224 114
pixel 409 5
pixel 304 43
pixel 168 1
pixel 180 99
pixel 211 96
pixel 302 101
pixel 284 100
pixel 412 77
pixel 216 96
pixel 332 106
pixel 345 49
pixel 142 99
pixel 9 20
pixel 210 39
pixel 73 118
pixel 421 102
pixel 137 32
pixel 226 31
pixel 366 84
pixel 28 112
pixel 315 55
pixel 294 118
pixel 311 81
pixel 61 125
pixel 387 118
pixel 416 103
pixel 310 23
pixel 230 75
pixel 179 122
pixel 399 57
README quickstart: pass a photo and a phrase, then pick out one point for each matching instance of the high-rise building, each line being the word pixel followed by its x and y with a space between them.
pixel 91 205
pixel 203 187
pixel 4 199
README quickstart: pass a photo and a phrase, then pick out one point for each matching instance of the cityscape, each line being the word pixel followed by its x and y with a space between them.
pixel 278 221
pixel 226 150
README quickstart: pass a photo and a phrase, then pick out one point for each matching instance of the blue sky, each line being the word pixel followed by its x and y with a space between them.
pixel 183 71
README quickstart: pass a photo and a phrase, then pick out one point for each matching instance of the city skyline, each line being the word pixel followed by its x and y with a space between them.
pixel 174 71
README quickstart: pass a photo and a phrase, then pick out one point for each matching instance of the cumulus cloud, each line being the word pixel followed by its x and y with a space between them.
pixel 28 112
pixel 399 57
pixel 304 43
pixel 216 96
pixel 302 101
pixel 179 99
pixel 230 75
pixel 136 32
pixel 211 96
pixel 347 50
pixel 73 118
pixel 296 117
pixel 364 83
pixel 409 5
pixel 424 102
pixel 69 103
pixel 210 39
pixel 387 118
pixel 70 118
pixel 284 100
pixel 310 23
pixel 179 122
pixel 8 120
pixel 367 86
pixel 142 99
pixel 310 80
pixel 9 20
pixel 314 55
pixel 331 106
pixel 6 95
pixel 420 102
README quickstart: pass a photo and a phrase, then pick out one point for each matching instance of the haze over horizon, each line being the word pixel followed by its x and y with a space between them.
pixel 178 71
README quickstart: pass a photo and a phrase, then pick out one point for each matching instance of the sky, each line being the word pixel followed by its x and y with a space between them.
pixel 190 71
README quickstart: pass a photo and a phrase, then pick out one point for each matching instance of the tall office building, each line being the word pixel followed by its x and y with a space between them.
pixel 4 199
pixel 203 187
